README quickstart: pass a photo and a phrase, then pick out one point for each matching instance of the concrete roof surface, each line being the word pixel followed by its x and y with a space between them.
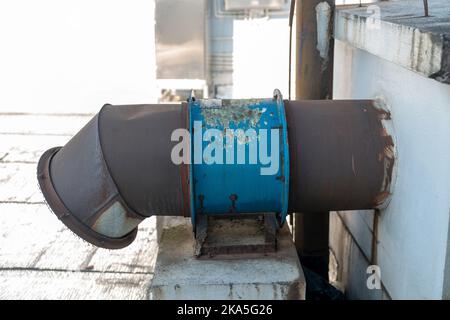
pixel 410 13
pixel 399 31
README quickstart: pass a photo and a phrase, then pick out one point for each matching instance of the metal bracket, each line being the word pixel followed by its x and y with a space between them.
pixel 277 95
pixel 225 234
pixel 191 97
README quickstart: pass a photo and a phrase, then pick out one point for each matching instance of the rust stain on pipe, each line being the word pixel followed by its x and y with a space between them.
pixel 387 156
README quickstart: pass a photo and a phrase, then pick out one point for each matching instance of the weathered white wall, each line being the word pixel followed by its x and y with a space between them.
pixel 75 55
pixel 413 230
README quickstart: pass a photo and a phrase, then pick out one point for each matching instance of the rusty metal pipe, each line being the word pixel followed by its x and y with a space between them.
pixel 341 155
pixel 118 170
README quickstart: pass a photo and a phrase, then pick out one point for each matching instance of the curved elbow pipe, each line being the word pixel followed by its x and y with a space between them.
pixel 114 173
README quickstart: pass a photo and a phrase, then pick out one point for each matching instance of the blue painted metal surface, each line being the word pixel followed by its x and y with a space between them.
pixel 222 179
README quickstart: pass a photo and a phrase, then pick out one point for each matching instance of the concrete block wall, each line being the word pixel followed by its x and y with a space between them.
pixel 409 240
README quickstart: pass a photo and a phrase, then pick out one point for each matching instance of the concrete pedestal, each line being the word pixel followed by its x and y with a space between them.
pixel 179 275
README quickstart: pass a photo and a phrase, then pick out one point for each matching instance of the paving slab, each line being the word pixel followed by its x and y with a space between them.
pixel 27 148
pixel 38 284
pixel 18 183
pixel 44 124
pixel 32 237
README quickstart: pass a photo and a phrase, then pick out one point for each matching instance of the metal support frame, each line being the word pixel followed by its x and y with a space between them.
pixel 266 221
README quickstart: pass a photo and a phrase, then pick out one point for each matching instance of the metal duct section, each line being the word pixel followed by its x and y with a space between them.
pixel 114 173
pixel 341 153
pixel 118 169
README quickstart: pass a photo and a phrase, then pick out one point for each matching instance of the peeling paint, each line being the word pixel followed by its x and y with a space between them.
pixel 323 14
pixel 223 113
